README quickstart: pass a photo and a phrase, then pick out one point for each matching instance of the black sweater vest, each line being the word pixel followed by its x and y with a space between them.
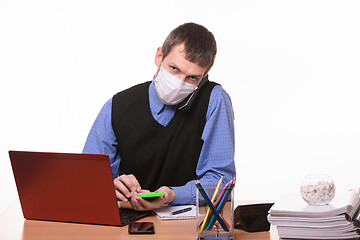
pixel 157 155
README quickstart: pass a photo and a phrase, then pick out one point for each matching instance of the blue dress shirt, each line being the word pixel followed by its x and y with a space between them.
pixel 217 154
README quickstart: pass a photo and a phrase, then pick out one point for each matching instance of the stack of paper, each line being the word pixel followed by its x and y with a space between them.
pixel 295 219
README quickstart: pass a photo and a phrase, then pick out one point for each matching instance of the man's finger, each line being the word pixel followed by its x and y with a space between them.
pixel 121 188
pixel 130 182
pixel 135 182
pixel 120 197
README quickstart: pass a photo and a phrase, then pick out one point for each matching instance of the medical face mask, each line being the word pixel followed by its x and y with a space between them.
pixel 170 89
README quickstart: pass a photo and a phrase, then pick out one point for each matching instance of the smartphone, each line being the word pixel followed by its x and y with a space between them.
pixel 187 103
pixel 151 196
pixel 141 228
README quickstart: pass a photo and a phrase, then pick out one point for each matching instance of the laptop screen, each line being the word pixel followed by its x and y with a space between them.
pixel 65 187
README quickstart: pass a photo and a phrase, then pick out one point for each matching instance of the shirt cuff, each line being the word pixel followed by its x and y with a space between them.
pixel 184 194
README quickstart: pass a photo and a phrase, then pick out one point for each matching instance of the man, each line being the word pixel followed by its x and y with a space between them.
pixel 154 144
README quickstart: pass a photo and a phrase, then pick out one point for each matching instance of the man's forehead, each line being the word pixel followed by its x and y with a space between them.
pixel 177 57
pixel 181 48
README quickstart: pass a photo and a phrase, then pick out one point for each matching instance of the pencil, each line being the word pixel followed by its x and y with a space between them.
pixel 218 208
pixel 217 203
pixel 221 203
pixel 212 200
pixel 211 205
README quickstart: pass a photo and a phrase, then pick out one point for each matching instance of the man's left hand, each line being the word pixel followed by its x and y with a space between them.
pixel 141 204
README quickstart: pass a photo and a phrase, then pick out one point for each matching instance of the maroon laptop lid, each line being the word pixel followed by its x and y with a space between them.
pixel 65 187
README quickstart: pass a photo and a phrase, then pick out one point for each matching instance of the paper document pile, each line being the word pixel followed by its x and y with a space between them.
pixel 295 219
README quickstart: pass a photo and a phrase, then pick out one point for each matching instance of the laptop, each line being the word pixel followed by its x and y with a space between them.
pixel 68 187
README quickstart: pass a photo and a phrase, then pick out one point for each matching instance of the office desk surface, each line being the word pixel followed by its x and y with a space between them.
pixel 14 227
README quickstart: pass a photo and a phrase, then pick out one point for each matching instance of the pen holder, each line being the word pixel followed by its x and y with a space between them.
pixel 208 225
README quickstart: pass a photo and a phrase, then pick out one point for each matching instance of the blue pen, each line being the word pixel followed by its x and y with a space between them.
pixel 181 211
pixel 211 205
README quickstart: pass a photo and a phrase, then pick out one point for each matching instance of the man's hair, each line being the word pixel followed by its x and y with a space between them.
pixel 199 43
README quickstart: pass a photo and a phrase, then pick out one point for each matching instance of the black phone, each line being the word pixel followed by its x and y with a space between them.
pixel 141 228
pixel 186 104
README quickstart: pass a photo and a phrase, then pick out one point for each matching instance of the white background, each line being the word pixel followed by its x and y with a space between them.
pixel 290 67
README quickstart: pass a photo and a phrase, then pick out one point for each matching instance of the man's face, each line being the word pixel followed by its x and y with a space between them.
pixel 176 64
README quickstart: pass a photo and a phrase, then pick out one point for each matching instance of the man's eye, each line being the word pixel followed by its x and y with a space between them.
pixel 173 68
pixel 193 78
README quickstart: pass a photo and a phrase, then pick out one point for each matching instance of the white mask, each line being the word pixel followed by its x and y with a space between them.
pixel 170 89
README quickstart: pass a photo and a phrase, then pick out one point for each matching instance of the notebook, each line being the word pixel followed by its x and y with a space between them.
pixel 164 212
pixel 68 187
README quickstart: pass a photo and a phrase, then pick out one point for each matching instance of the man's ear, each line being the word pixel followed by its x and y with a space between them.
pixel 158 56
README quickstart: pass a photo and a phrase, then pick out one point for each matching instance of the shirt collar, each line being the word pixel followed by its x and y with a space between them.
pixel 155 103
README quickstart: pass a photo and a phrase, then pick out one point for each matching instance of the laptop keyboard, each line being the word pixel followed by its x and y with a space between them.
pixel 130 215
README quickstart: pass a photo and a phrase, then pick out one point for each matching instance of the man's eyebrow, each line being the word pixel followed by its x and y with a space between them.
pixel 173 65
pixel 192 75
pixel 196 75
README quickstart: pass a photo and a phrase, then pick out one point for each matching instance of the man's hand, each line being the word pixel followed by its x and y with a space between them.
pixel 142 204
pixel 125 185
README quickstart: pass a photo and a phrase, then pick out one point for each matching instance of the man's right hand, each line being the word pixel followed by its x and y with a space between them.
pixel 125 185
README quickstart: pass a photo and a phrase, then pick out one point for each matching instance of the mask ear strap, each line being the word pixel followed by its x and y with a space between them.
pixel 159 69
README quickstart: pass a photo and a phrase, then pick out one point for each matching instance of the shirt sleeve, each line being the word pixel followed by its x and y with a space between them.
pixel 102 140
pixel 217 154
